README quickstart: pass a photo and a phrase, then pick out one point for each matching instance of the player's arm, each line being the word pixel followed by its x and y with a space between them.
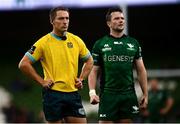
pixel 142 79
pixel 92 80
pixel 25 65
pixel 168 106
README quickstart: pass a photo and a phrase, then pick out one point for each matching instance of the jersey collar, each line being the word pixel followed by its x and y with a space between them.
pixel 116 37
pixel 58 37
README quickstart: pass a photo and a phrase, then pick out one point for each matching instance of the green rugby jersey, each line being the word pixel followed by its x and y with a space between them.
pixel 115 56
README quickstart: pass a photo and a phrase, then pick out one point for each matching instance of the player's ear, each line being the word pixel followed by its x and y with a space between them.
pixel 108 23
pixel 51 21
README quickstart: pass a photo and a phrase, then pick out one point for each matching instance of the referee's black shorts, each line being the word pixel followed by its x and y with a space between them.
pixel 57 105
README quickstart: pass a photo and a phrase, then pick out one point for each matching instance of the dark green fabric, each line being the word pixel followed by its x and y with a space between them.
pixel 115 106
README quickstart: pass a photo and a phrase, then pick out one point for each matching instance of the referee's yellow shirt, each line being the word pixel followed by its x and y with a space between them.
pixel 59 59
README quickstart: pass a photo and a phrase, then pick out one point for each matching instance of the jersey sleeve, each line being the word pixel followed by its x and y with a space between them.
pixel 35 53
pixel 96 54
pixel 84 52
pixel 139 51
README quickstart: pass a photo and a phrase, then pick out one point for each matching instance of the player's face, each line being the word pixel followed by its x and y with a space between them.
pixel 61 21
pixel 117 22
pixel 154 84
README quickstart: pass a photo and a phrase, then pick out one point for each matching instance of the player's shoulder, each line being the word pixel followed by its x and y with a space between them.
pixel 74 38
pixel 102 39
pixel 69 34
pixel 99 43
pixel 131 38
pixel 43 39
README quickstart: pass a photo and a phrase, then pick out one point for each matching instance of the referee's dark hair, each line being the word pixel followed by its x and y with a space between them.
pixel 52 13
pixel 111 10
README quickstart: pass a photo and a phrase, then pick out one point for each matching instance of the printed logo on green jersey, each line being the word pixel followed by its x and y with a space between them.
pixel 106 45
pixel 130 46
pixel 106 48
pixel 118 58
pixel 118 42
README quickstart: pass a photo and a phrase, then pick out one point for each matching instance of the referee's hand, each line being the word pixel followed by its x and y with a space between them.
pixel 79 83
pixel 47 84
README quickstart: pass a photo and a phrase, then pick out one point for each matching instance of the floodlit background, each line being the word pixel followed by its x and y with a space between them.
pixel 154 23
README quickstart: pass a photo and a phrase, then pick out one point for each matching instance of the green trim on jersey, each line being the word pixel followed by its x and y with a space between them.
pixel 116 57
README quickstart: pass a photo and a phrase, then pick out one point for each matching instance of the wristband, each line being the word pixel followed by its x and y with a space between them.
pixel 92 92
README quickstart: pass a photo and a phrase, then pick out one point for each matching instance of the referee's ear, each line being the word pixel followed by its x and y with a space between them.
pixel 51 22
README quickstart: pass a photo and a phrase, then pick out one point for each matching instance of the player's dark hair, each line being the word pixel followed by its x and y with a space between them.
pixel 53 11
pixel 111 10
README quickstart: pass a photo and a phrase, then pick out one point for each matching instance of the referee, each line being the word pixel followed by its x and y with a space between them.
pixel 59 52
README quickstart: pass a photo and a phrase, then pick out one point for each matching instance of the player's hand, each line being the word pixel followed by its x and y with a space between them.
pixel 47 84
pixel 94 99
pixel 143 102
pixel 79 83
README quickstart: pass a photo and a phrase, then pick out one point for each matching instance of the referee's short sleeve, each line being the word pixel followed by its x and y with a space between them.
pixel 35 52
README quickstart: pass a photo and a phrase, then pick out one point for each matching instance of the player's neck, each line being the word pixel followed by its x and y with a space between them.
pixel 117 34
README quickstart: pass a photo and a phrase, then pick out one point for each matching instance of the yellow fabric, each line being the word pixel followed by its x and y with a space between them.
pixel 59 59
